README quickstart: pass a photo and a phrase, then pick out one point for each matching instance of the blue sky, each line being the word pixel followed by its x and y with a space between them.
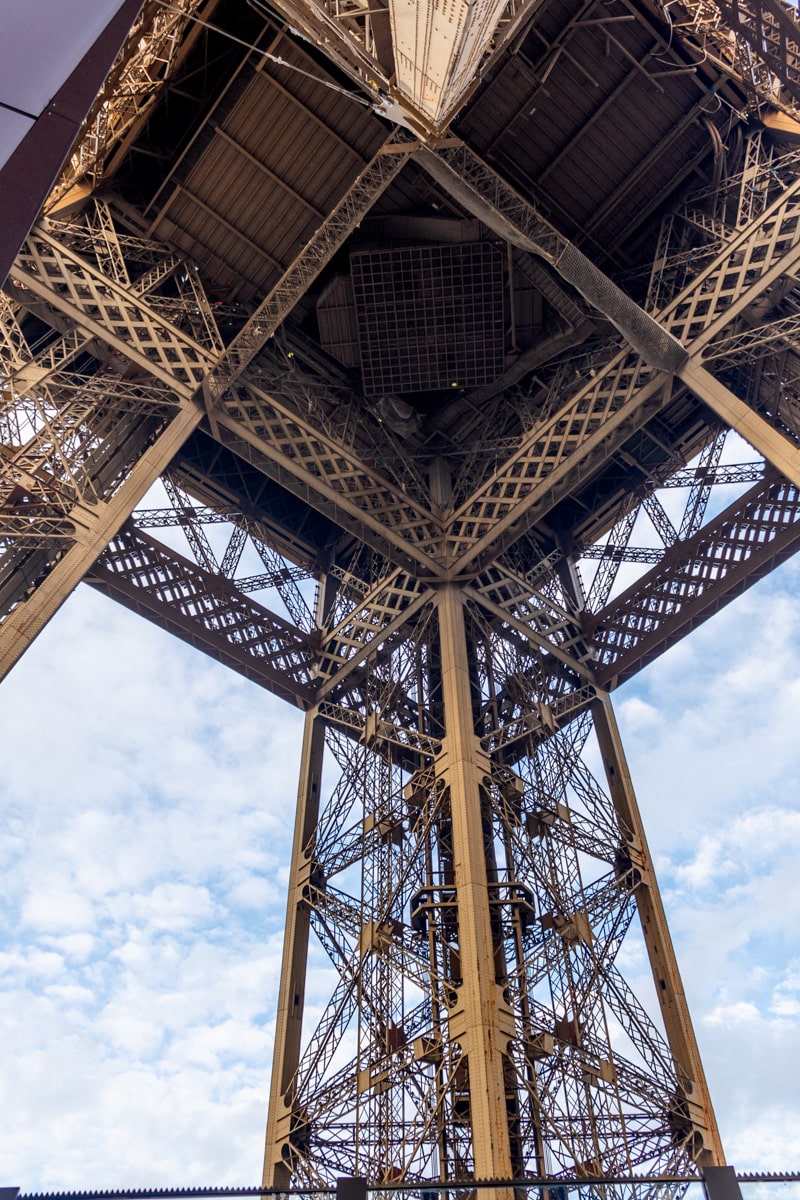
pixel 148 796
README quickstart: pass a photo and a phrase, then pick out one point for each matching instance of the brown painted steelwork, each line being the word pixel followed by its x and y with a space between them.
pixel 469 881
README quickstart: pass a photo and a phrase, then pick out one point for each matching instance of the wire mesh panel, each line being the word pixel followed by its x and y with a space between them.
pixel 429 317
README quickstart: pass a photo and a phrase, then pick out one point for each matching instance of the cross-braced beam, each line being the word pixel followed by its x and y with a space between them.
pixel 122 319
pixel 478 1022
pixel 581 428
pixel 697 577
pixel 198 607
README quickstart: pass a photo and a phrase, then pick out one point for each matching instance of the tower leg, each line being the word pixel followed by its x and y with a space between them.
pixel 285 1135
pixel 472 885
pixel 694 1113
pixel 481 1021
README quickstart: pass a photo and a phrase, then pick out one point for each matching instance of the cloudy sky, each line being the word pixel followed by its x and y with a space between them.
pixel 147 797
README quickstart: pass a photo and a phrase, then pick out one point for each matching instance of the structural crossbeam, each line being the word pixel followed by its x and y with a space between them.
pixel 770 32
pixel 696 578
pixel 208 612
pixel 579 431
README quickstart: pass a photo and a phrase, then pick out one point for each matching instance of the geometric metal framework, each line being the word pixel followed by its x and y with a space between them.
pixel 472 883
pixel 449 548
pixel 429 317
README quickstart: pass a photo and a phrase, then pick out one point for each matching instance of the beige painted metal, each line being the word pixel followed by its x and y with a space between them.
pixel 291 996
pixel 438 50
pixel 384 611
pixel 95 527
pixel 758 44
pixel 154 47
pixel 421 59
pixel 511 1057
pixel 482 1021
pixel 768 441
pixel 694 1108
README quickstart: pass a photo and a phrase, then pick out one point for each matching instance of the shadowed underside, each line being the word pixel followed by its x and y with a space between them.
pixel 433 323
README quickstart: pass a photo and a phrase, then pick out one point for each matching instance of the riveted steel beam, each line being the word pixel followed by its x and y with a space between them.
pixel 207 611
pixel 695 578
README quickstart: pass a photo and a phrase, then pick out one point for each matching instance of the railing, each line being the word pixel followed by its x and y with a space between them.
pixel 721 1183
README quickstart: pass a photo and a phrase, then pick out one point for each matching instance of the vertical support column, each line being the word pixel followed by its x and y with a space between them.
pixel 291 994
pixel 720 1183
pixel 694 1111
pixel 480 1020
pixel 95 527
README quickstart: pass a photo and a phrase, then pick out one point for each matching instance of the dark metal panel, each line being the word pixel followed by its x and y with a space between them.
pixel 32 169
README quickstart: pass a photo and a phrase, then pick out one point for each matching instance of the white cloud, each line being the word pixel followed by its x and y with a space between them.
pixel 56 908
pixel 149 798
pixel 740 1013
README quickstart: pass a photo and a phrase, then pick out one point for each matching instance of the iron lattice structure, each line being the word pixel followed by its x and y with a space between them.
pixel 491 555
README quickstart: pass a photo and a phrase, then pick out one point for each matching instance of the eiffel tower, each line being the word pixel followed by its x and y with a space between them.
pixel 446 312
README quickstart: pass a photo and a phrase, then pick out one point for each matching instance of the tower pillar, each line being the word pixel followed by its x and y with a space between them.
pixel 480 1019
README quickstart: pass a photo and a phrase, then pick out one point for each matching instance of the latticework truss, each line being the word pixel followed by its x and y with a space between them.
pixel 449 581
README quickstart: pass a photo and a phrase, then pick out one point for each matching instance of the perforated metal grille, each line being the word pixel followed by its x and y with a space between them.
pixel 429 317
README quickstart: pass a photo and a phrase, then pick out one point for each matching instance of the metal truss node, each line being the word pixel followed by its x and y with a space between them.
pixel 441 414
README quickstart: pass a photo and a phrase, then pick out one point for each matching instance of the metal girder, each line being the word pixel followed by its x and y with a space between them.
pixel 123 318
pixel 763 437
pixel 528 608
pixel 757 342
pixel 291 996
pixel 328 474
pixel 479 1023
pixel 228 486
pixel 107 309
pixel 79 451
pixel 205 610
pixel 421 62
pixel 766 31
pixel 693 1089
pixel 707 474
pixel 112 312
pixel 359 198
pixel 695 578
pixel 565 447
pixel 615 551
pixel 580 429
pixel 46 585
pixel 487 196
pixel 481 1019
pixel 146 60
pixel 384 609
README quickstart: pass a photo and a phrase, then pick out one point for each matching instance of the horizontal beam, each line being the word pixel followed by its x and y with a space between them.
pixel 102 522
pixel 695 579
pixel 208 612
